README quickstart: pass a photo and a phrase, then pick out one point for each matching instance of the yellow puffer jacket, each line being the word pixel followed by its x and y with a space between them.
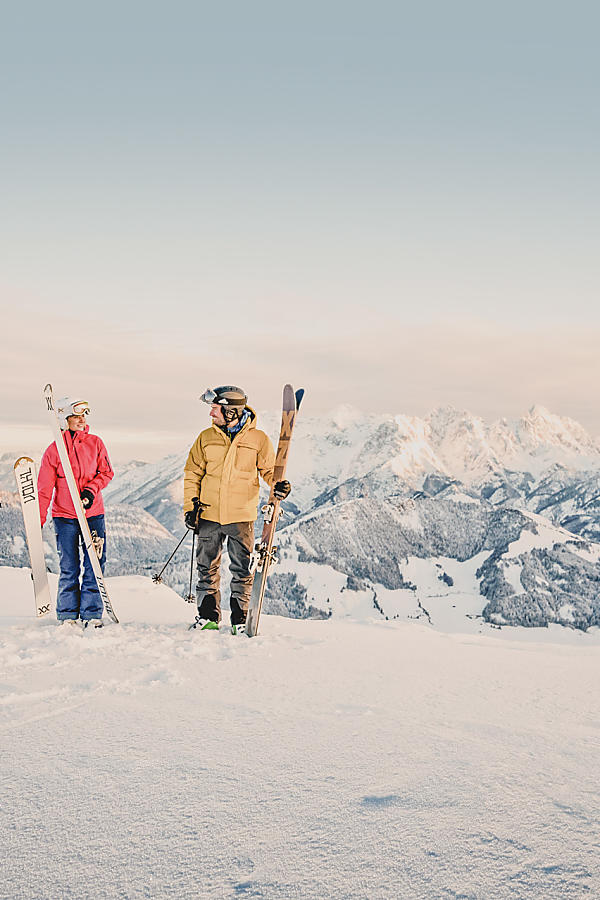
pixel 224 473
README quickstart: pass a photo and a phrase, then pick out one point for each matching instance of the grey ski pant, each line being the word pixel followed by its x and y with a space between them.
pixel 240 540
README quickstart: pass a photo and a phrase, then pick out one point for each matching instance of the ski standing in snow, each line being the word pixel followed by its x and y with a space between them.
pixel 265 552
pixel 26 486
pixel 74 470
pixel 222 472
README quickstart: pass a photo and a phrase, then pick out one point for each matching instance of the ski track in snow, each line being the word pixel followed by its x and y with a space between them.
pixel 323 759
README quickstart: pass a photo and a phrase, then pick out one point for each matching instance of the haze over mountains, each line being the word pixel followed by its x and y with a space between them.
pixel 437 518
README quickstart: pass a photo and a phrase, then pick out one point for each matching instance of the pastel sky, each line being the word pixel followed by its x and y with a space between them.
pixel 392 204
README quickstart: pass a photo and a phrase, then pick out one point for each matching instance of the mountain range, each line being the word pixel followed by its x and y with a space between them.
pixel 432 518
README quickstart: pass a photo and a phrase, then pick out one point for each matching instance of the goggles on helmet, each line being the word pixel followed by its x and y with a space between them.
pixel 81 409
pixel 227 395
pixel 208 396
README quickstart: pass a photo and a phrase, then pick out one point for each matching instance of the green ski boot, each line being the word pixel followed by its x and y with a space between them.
pixel 204 624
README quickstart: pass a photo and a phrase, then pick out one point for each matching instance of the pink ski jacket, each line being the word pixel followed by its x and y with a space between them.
pixel 91 468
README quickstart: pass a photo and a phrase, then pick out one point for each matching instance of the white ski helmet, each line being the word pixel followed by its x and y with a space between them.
pixel 69 407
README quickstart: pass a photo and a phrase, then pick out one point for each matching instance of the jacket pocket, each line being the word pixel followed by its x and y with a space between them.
pixel 246 458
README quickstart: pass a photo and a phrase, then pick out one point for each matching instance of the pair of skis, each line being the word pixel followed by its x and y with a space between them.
pixel 264 552
pixel 26 485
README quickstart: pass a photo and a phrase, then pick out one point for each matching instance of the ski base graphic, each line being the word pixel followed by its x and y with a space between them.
pixel 26 479
pixel 265 553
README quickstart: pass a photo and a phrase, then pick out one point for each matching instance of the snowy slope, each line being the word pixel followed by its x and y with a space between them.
pixel 323 759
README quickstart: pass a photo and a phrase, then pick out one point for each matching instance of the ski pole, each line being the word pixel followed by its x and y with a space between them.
pixel 157 579
pixel 199 507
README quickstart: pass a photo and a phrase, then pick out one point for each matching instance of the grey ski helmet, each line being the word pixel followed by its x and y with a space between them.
pixel 232 400
pixel 227 395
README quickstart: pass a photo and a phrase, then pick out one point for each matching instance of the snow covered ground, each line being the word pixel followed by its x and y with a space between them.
pixel 341 758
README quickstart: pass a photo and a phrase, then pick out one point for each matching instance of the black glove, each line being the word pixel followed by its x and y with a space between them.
pixel 281 489
pixel 87 498
pixel 191 516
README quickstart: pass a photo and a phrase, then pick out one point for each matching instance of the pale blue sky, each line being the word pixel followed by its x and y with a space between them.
pixel 408 192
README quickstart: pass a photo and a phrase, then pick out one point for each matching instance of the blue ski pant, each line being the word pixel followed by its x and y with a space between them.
pixel 78 594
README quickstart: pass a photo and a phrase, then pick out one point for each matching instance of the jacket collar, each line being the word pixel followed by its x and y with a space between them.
pixel 73 435
pixel 250 423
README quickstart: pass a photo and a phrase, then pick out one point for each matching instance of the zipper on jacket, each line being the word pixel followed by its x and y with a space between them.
pixel 77 458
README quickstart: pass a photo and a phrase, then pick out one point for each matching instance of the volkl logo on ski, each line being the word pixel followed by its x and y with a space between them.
pixel 27 484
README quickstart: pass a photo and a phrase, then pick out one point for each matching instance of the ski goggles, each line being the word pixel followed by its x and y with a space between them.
pixel 81 408
pixel 208 396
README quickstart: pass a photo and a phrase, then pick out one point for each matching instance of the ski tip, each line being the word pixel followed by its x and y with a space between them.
pixel 47 388
pixel 22 459
pixel 299 396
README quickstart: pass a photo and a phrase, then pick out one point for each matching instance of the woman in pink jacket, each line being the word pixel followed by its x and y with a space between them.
pixel 78 602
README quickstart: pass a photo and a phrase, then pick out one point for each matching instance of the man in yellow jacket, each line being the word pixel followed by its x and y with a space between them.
pixel 220 500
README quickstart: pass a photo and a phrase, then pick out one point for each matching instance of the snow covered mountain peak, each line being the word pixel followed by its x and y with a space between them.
pixel 380 454
pixel 345 416
pixel 537 411
pixel 461 441
pixel 542 429
pixel 467 447
pixel 446 418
